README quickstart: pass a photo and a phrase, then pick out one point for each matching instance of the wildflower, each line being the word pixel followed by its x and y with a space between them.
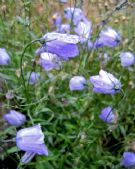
pixel 33 77
pixel 74 14
pixel 62 49
pixel 127 58
pixel 84 29
pixel 56 19
pixel 107 115
pixel 63 45
pixel 4 57
pixel 108 37
pixel 64 28
pixel 49 61
pixel 31 140
pixel 105 83
pixel 77 83
pixel 67 38
pixel 63 1
pixel 128 159
pixel 15 118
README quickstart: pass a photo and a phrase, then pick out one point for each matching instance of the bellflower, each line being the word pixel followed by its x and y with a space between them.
pixel 63 1
pixel 4 57
pixel 107 115
pixel 105 83
pixel 128 159
pixel 57 19
pixel 77 83
pixel 31 140
pixel 49 61
pixel 63 37
pixel 15 118
pixel 84 29
pixel 127 58
pixel 63 45
pixel 108 37
pixel 64 28
pixel 33 77
pixel 62 49
pixel 74 14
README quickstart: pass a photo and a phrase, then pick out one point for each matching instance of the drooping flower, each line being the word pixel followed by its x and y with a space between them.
pixel 107 115
pixel 74 14
pixel 77 83
pixel 84 29
pixel 57 19
pixel 128 159
pixel 4 57
pixel 105 83
pixel 62 49
pixel 63 37
pixel 31 140
pixel 108 37
pixel 33 77
pixel 127 59
pixel 15 118
pixel 49 61
pixel 63 45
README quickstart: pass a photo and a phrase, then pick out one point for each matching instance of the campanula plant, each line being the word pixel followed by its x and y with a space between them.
pixel 15 118
pixel 77 39
pixel 128 159
pixel 105 83
pixel 31 140
pixel 108 37
pixel 77 83
pixel 107 115
pixel 4 57
pixel 127 59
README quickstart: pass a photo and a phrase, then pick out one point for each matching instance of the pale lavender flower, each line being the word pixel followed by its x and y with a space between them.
pixel 74 14
pixel 127 59
pixel 108 37
pixel 64 28
pixel 62 49
pixel 15 118
pixel 105 83
pixel 128 159
pixel 31 140
pixel 84 29
pixel 57 19
pixel 4 57
pixel 107 115
pixel 63 37
pixel 63 45
pixel 77 83
pixel 49 61
pixel 63 1
pixel 27 157
pixel 33 77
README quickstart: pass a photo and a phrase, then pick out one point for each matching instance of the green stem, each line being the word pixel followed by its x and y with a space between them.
pixel 21 64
